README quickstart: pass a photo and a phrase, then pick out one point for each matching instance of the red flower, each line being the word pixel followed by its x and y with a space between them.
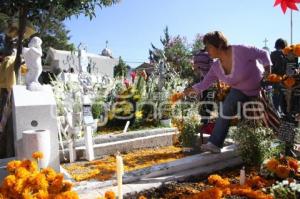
pixel 287 4
pixel 126 82
pixel 133 75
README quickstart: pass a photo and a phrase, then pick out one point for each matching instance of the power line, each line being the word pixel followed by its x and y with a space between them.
pixel 136 62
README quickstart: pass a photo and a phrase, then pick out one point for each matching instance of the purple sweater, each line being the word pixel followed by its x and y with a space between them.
pixel 247 70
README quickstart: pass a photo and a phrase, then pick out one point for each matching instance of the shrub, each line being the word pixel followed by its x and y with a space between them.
pixel 253 140
pixel 190 129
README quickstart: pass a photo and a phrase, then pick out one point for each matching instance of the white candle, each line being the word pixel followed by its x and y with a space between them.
pixel 126 126
pixel 120 172
pixel 242 176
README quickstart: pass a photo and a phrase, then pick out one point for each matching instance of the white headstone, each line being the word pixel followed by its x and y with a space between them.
pixel 35 111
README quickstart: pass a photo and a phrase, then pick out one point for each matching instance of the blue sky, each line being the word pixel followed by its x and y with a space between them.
pixel 132 25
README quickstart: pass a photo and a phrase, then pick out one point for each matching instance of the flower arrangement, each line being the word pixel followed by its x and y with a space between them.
pixel 292 49
pixel 287 81
pixel 26 181
pixel 223 90
pixel 190 129
pixel 175 97
pixel 282 167
pixel 223 188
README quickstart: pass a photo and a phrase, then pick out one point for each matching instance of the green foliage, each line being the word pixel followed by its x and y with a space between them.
pixel 254 141
pixel 166 111
pixel 190 128
pixel 198 44
pixel 31 10
pixel 121 69
pixel 286 190
pixel 176 50
pixel 98 108
pixel 63 8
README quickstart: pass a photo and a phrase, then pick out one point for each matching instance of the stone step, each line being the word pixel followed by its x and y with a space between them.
pixel 110 148
pixel 113 137
pixel 193 163
pixel 148 183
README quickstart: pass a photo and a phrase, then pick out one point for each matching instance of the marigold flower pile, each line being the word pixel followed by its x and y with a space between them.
pixel 222 188
pixel 293 49
pixel 283 167
pixel 26 181
pixel 112 195
pixel 287 81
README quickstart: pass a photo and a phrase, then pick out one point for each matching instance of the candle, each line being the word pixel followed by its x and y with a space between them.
pixel 242 176
pixel 126 126
pixel 120 172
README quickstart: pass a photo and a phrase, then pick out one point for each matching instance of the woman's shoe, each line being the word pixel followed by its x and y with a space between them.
pixel 210 147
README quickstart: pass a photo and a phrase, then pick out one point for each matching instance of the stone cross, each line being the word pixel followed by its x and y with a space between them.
pixel 265 41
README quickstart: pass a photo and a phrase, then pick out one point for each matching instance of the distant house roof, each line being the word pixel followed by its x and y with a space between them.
pixel 67 59
pixel 145 66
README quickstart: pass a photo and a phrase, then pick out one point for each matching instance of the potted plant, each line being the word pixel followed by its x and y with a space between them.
pixel 166 113
pixel 190 128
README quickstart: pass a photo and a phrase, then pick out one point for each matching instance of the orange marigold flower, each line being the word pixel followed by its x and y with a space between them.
pixel 57 184
pixel 31 166
pixel 272 165
pixel 41 195
pixel 256 182
pixel 67 195
pixel 67 186
pixel 27 194
pixel 2 196
pixel 13 165
pixel 22 173
pixel 176 96
pixel 38 181
pixel 296 50
pixel 289 82
pixel 218 181
pixel 38 155
pixel 213 193
pixel 283 171
pixel 49 173
pixel 9 181
pixel 110 195
pixel 19 186
pixel 142 197
pixel 293 164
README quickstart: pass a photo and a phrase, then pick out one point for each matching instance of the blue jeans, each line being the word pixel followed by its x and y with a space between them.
pixel 234 99
pixel 279 99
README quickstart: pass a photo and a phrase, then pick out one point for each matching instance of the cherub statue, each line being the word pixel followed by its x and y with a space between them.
pixel 32 56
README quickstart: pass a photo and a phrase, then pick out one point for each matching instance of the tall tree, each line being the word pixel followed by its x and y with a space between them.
pixel 31 10
pixel 177 52
pixel 198 44
pixel 121 69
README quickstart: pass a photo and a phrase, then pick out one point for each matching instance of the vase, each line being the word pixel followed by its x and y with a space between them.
pixel 37 140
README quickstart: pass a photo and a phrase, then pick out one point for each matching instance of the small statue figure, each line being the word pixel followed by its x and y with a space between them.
pixel 32 56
